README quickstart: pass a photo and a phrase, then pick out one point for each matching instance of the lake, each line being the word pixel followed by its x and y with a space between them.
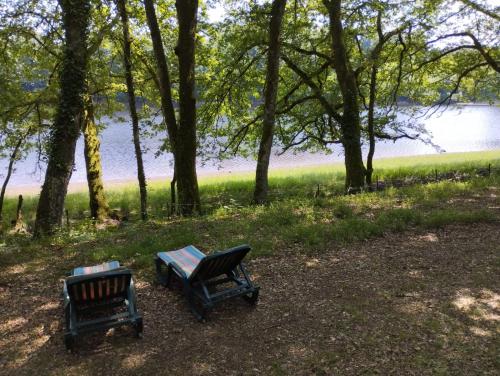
pixel 458 129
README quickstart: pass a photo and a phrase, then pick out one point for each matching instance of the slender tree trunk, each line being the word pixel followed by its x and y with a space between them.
pixel 68 121
pixel 10 170
pixel 99 208
pixel 270 93
pixel 371 126
pixel 182 136
pixel 173 196
pixel 141 177
pixel 351 125
pixel 187 182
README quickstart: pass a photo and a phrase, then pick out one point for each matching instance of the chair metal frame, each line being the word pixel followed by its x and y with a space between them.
pixel 213 270
pixel 75 308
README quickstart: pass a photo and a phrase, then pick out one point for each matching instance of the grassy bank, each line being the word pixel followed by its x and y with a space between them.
pixel 296 220
pixel 235 190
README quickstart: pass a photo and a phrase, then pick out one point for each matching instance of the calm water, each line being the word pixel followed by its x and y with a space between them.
pixel 471 128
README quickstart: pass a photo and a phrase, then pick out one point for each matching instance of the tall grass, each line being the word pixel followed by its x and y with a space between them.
pixel 235 190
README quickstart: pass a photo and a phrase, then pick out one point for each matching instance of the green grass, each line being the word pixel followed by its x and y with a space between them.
pixel 235 190
pixel 295 220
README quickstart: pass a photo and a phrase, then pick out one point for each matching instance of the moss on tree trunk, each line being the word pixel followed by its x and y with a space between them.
pixel 69 117
pixel 99 208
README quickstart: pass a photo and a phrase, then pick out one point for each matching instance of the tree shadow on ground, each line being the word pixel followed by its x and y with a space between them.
pixel 411 303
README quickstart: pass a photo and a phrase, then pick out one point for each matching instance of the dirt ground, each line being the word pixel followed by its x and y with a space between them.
pixel 420 302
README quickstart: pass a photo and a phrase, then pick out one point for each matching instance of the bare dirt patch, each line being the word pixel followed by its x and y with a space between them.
pixel 420 302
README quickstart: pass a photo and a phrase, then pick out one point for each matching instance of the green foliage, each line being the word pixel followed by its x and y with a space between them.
pixel 418 62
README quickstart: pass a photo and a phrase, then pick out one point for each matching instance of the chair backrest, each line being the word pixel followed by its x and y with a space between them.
pixel 99 287
pixel 220 263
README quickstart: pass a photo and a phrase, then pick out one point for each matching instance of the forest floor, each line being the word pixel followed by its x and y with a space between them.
pixel 421 301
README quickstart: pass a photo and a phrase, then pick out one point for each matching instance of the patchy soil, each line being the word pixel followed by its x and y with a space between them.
pixel 420 302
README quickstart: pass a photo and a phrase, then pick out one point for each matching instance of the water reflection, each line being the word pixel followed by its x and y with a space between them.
pixel 470 128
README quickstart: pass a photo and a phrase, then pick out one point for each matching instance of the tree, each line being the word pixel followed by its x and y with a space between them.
pixel 68 121
pixel 182 133
pixel 16 149
pixel 99 208
pixel 350 122
pixel 27 91
pixel 270 94
pixel 127 59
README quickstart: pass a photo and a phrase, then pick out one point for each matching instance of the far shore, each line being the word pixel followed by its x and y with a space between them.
pixel 210 177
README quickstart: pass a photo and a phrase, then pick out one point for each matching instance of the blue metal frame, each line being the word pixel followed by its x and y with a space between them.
pixel 73 310
pixel 198 287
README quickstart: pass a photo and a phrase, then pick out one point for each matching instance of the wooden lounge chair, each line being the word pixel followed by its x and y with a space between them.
pixel 94 297
pixel 202 276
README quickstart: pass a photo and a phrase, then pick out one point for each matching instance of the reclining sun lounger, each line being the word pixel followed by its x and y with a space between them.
pixel 202 276
pixel 94 297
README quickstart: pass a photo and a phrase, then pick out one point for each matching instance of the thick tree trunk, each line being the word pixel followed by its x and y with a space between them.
pixel 185 158
pixel 371 126
pixel 141 177
pixel 351 125
pixel 270 93
pixel 182 136
pixel 68 121
pixel 99 208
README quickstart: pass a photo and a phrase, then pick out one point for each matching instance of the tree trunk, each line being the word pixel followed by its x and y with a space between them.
pixel 371 126
pixel 167 104
pixel 270 93
pixel 99 208
pixel 185 158
pixel 173 203
pixel 19 225
pixel 68 121
pixel 141 177
pixel 10 170
pixel 182 136
pixel 351 124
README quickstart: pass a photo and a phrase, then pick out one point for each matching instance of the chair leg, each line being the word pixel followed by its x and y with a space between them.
pixel 164 277
pixel 252 298
pixel 71 334
pixel 168 279
pixel 69 341
pixel 162 280
pixel 196 307
pixel 138 327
